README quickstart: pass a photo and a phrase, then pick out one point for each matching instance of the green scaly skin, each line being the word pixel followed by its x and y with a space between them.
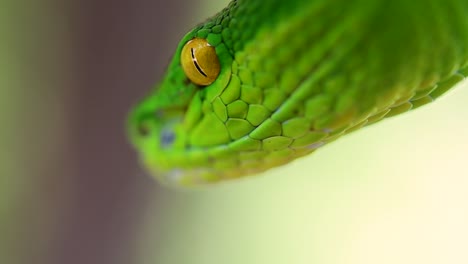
pixel 296 75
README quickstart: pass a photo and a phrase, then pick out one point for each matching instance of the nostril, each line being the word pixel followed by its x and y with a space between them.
pixel 167 137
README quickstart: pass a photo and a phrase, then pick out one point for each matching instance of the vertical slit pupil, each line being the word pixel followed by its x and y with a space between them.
pixel 196 64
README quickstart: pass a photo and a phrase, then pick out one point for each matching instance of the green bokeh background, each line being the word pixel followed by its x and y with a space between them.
pixel 34 62
pixel 395 192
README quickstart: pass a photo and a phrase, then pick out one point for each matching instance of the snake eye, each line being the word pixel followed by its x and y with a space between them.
pixel 200 62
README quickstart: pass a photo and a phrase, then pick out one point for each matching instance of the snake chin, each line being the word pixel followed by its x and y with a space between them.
pixel 207 175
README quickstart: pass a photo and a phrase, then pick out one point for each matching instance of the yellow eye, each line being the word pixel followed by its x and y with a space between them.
pixel 200 61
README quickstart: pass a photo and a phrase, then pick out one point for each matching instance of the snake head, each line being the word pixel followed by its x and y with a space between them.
pixel 209 119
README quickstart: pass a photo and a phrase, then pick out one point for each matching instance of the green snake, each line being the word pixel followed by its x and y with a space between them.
pixel 265 82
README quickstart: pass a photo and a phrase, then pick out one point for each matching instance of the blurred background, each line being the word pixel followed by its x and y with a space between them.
pixel 71 189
